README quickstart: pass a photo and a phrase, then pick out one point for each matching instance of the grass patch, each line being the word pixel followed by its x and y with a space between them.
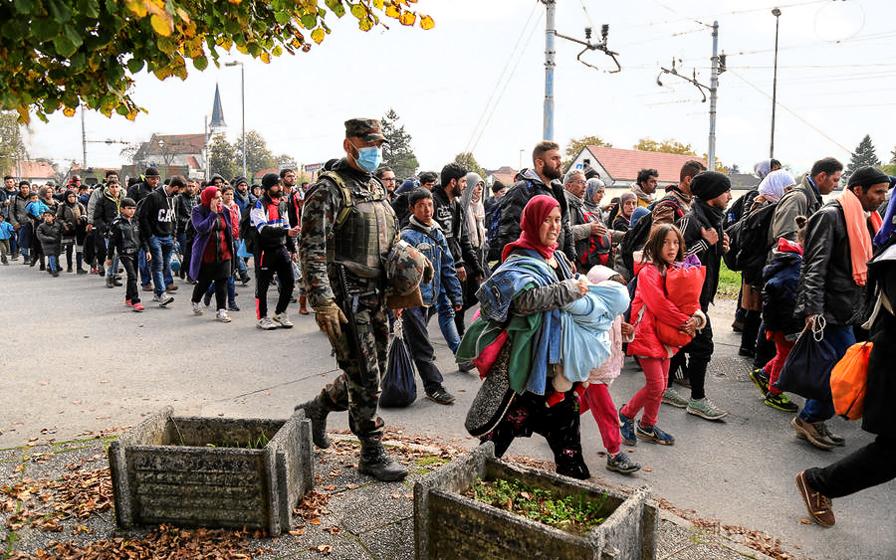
pixel 576 514
pixel 729 283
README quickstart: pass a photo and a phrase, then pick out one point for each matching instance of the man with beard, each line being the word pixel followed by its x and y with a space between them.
pixel 704 237
pixel 245 201
pixel 274 248
pixel 21 223
pixel 449 214
pixel 538 180
pixel 645 187
pixel 387 178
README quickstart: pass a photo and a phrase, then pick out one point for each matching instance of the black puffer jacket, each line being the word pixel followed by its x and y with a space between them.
pixel 826 284
pixel 105 212
pixel 880 414
pixel 451 218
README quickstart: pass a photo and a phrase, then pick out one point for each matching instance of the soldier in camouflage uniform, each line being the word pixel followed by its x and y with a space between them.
pixel 348 228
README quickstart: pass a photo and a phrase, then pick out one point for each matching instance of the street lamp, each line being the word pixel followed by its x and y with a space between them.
pixel 243 103
pixel 771 150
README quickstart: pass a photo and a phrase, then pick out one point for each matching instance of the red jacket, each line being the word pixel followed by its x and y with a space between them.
pixel 650 295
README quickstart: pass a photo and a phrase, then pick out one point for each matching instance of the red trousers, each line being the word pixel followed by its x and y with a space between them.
pixel 649 398
pixel 597 399
pixel 776 364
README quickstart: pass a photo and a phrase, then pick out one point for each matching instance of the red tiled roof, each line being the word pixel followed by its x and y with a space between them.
pixel 35 170
pixel 193 163
pixel 175 144
pixel 262 172
pixel 505 174
pixel 624 165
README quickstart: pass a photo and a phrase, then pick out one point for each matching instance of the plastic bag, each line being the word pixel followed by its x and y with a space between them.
pixel 241 251
pixel 849 381
pixel 807 370
pixel 684 283
pixel 399 388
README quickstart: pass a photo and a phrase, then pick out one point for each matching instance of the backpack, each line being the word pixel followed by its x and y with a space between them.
pixel 248 233
pixel 599 248
pixel 749 245
pixel 634 240
pixel 736 211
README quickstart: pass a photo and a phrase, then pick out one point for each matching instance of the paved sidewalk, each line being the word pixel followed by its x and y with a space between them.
pixel 348 516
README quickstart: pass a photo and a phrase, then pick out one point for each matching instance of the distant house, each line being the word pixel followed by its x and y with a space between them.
pixel 180 150
pixel 165 171
pixel 504 174
pixel 743 181
pixel 619 168
pixel 34 171
pixel 89 176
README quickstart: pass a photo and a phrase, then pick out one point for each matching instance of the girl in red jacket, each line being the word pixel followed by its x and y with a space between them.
pixel 651 306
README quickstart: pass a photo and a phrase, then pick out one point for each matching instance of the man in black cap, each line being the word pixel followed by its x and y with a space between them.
pixel 274 250
pixel 704 237
pixel 832 282
pixel 348 228
pixel 137 192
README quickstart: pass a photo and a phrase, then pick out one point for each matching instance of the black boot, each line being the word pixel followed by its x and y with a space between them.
pixel 317 413
pixel 79 258
pixel 374 462
pixel 752 320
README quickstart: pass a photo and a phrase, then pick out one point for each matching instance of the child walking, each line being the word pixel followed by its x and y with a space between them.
pixel 596 396
pixel 7 232
pixel 125 238
pixel 664 248
pixel 782 281
pixel 49 233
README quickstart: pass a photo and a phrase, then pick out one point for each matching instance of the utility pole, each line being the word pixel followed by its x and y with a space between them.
pixel 718 67
pixel 713 96
pixel 83 141
pixel 243 103
pixel 549 65
pixel 771 149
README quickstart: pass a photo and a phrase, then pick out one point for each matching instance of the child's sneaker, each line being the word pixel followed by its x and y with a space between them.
pixel 128 303
pixel 780 402
pixel 760 379
pixel 622 464
pixel 654 434
pixel 221 316
pixel 163 300
pixel 138 307
pixel 197 309
pixel 627 429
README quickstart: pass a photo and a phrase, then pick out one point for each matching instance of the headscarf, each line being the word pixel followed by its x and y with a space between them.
pixel 623 198
pixel 207 195
pixel 636 216
pixel 534 214
pixel 474 211
pixel 762 168
pixel 592 186
pixel 775 184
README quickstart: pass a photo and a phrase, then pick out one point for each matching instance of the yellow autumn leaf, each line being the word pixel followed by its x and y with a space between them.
pixel 318 35
pixel 161 24
pixel 136 7
pixel 242 48
pixel 408 18
pixel 132 115
pixel 392 11
pixel 365 24
pixel 265 57
pixel 378 4
pixel 68 112
pixel 427 23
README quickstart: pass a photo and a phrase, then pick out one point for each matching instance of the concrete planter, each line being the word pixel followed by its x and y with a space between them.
pixel 450 526
pixel 212 472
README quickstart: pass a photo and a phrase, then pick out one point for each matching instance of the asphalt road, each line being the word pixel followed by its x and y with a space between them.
pixel 74 359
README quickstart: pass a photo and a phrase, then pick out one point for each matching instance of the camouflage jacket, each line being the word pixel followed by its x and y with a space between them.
pixel 323 203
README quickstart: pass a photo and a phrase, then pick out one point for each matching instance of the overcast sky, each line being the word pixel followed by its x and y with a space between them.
pixel 835 84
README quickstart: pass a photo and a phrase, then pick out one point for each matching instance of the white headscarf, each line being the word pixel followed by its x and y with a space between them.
pixel 762 168
pixel 775 184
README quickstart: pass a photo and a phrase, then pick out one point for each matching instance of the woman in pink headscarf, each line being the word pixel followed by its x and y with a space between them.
pixel 212 255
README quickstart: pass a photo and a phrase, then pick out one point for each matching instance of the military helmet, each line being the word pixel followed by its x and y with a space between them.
pixel 406 267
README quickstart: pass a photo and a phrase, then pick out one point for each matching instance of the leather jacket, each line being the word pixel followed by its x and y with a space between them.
pixel 826 283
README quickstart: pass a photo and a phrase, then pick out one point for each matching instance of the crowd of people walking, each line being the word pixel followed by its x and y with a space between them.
pixel 568 286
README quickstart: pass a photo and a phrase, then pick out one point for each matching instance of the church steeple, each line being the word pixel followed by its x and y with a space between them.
pixel 217 124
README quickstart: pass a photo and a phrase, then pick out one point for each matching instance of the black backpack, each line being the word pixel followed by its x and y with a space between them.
pixel 749 244
pixel 248 233
pixel 634 240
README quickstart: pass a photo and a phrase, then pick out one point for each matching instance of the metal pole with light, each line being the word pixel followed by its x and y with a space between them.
pixel 243 103
pixel 771 150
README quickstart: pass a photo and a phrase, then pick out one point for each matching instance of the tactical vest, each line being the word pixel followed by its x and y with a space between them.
pixel 365 227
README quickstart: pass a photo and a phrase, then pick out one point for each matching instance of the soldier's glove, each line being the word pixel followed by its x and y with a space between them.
pixel 329 318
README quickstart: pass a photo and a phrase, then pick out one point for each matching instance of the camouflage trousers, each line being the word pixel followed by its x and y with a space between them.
pixel 357 389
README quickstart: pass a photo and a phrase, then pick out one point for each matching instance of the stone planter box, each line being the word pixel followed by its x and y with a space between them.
pixel 211 472
pixel 450 526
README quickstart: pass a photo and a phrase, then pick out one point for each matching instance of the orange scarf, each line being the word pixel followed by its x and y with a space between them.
pixel 860 248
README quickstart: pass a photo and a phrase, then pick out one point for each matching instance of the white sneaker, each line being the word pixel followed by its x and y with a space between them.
pixel 162 300
pixel 222 316
pixel 266 324
pixel 283 320
pixel 197 308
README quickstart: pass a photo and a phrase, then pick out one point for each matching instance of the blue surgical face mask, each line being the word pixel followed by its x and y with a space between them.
pixel 370 158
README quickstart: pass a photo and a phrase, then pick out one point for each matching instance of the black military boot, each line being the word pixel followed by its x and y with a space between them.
pixel 317 413
pixel 374 462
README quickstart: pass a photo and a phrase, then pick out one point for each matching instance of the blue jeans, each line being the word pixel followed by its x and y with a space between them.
pixel 446 322
pixel 160 248
pixel 24 239
pixel 54 263
pixel 112 270
pixel 841 337
pixel 143 266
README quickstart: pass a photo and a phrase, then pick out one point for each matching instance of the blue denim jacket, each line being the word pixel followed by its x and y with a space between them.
pixel 434 247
